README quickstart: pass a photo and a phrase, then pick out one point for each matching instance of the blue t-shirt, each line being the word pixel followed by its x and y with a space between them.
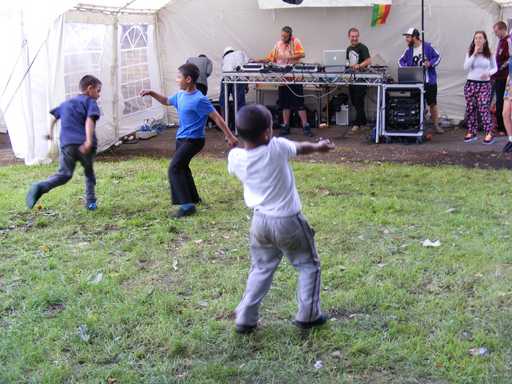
pixel 193 110
pixel 72 114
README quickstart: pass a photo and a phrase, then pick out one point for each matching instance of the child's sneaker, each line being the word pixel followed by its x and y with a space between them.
pixel 489 139
pixel 470 137
pixel 308 325
pixel 91 206
pixel 34 193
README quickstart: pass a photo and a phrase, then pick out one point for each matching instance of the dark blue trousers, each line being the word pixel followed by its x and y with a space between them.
pixel 69 156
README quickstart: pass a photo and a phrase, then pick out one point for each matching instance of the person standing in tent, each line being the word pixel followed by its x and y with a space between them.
pixel 289 50
pixel 205 70
pixel 78 117
pixel 499 79
pixel 358 57
pixel 481 65
pixel 413 57
pixel 193 109
pixel 231 60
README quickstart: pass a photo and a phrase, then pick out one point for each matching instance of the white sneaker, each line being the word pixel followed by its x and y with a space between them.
pixel 355 128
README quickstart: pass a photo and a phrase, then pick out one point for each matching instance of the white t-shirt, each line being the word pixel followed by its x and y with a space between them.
pixel 417 56
pixel 233 60
pixel 269 185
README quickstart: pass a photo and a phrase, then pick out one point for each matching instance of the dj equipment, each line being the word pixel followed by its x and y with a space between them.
pixel 403 111
pixel 251 67
pixel 410 75
pixel 335 61
pixel 306 68
pixel 334 58
pixel 278 68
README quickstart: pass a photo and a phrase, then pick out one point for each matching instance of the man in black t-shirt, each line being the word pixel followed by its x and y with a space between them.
pixel 358 57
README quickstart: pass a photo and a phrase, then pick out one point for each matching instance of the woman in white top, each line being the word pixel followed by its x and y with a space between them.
pixel 481 65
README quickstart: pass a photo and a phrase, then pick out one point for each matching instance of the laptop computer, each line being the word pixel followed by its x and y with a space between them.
pixel 335 60
pixel 410 75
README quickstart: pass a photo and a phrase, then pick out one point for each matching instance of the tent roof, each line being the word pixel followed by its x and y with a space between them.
pixel 133 4
pixel 60 6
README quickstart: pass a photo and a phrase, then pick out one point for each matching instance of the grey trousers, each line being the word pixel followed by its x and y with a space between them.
pixel 270 239
pixel 69 156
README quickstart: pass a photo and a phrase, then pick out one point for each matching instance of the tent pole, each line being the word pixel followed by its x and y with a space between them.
pixel 115 78
pixel 160 60
pixel 423 38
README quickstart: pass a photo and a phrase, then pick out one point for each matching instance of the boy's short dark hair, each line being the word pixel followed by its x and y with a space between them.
pixel 189 70
pixel 252 121
pixel 88 80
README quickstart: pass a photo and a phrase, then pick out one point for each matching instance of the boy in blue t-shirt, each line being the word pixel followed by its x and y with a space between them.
pixel 78 142
pixel 193 109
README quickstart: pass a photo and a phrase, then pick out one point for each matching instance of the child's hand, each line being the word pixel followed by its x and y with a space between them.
pixel 85 148
pixel 145 92
pixel 325 145
pixel 232 141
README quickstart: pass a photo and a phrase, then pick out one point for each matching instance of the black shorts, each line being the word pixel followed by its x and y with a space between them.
pixel 431 94
pixel 291 96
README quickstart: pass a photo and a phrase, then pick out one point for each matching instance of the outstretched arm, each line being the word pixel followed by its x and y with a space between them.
pixel 306 148
pixel 232 140
pixel 158 97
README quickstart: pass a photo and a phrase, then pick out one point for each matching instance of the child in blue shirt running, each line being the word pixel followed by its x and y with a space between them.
pixel 193 109
pixel 78 117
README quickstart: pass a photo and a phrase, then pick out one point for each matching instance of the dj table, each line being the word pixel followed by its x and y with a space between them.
pixel 326 80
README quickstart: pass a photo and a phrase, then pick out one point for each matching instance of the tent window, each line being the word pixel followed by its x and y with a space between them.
pixel 83 49
pixel 134 68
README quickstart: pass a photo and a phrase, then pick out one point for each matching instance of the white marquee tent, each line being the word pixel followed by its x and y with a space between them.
pixel 140 43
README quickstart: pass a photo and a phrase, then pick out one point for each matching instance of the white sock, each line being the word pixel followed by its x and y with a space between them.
pixel 510 139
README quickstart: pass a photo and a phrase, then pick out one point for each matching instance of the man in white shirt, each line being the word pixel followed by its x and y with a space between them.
pixel 231 61
pixel 278 227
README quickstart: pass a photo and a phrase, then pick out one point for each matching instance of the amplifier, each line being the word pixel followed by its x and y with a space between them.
pixel 403 110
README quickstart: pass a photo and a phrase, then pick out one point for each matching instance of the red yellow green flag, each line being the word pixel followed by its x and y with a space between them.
pixel 380 14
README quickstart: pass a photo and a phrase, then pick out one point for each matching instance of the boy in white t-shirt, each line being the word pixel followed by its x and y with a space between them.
pixel 278 227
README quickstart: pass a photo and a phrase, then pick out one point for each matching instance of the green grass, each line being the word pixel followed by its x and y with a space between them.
pixel 401 313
